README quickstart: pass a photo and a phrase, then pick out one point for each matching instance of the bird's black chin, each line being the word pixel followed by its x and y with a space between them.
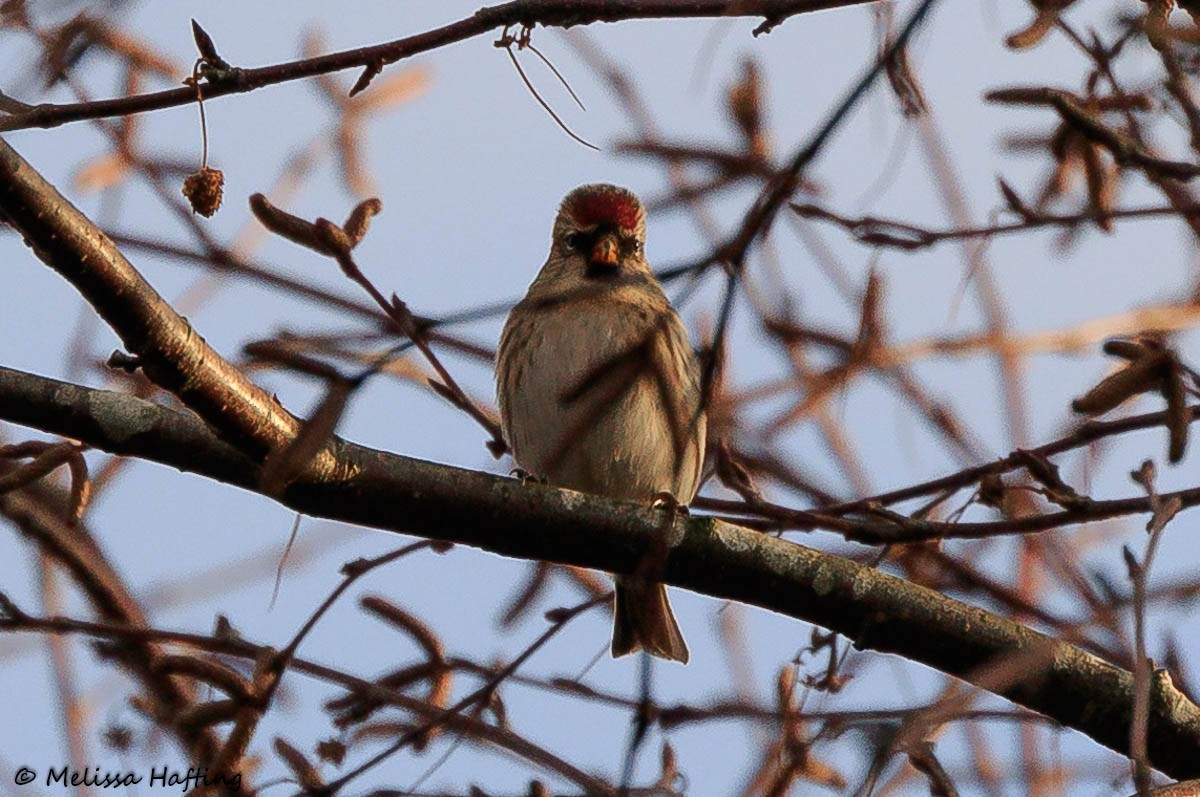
pixel 602 271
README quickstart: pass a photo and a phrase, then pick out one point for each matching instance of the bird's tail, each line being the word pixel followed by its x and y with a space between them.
pixel 642 619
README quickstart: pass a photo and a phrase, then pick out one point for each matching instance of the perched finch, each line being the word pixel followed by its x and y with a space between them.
pixel 599 388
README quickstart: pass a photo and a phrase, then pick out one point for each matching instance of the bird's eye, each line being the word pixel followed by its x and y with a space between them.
pixel 576 241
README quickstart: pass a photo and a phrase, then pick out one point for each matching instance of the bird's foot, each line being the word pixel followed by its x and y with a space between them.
pixel 525 477
pixel 669 503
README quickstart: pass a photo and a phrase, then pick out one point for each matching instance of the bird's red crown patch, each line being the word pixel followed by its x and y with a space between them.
pixel 606 207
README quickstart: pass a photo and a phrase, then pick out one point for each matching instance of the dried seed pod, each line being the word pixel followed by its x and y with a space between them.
pixel 1131 350
pixel 203 190
pixel 360 218
pixel 404 621
pixel 282 223
pixel 305 771
pixel 1036 30
pixel 1139 376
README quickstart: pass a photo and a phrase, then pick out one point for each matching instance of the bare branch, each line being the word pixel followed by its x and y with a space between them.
pixel 876 610
pixel 550 13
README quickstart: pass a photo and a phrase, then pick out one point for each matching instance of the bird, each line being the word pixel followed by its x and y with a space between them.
pixel 599 387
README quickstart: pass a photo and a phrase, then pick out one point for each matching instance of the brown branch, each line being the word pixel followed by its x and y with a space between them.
pixel 734 163
pixel 337 242
pixel 33 511
pixel 761 215
pixel 224 261
pixel 1125 148
pixel 469 726
pixel 759 218
pixel 1176 193
pixel 171 354
pixel 909 237
pixel 892 528
pixel 887 527
pixel 709 556
pixel 558 618
pixel 1085 435
pixel 549 13
pixel 504 517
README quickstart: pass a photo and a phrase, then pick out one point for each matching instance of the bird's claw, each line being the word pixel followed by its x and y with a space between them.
pixel 525 477
pixel 668 502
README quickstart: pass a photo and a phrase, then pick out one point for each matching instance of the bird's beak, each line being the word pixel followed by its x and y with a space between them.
pixel 605 257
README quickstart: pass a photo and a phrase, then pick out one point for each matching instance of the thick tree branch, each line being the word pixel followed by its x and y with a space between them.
pixel 877 611
pixel 168 349
pixel 549 13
